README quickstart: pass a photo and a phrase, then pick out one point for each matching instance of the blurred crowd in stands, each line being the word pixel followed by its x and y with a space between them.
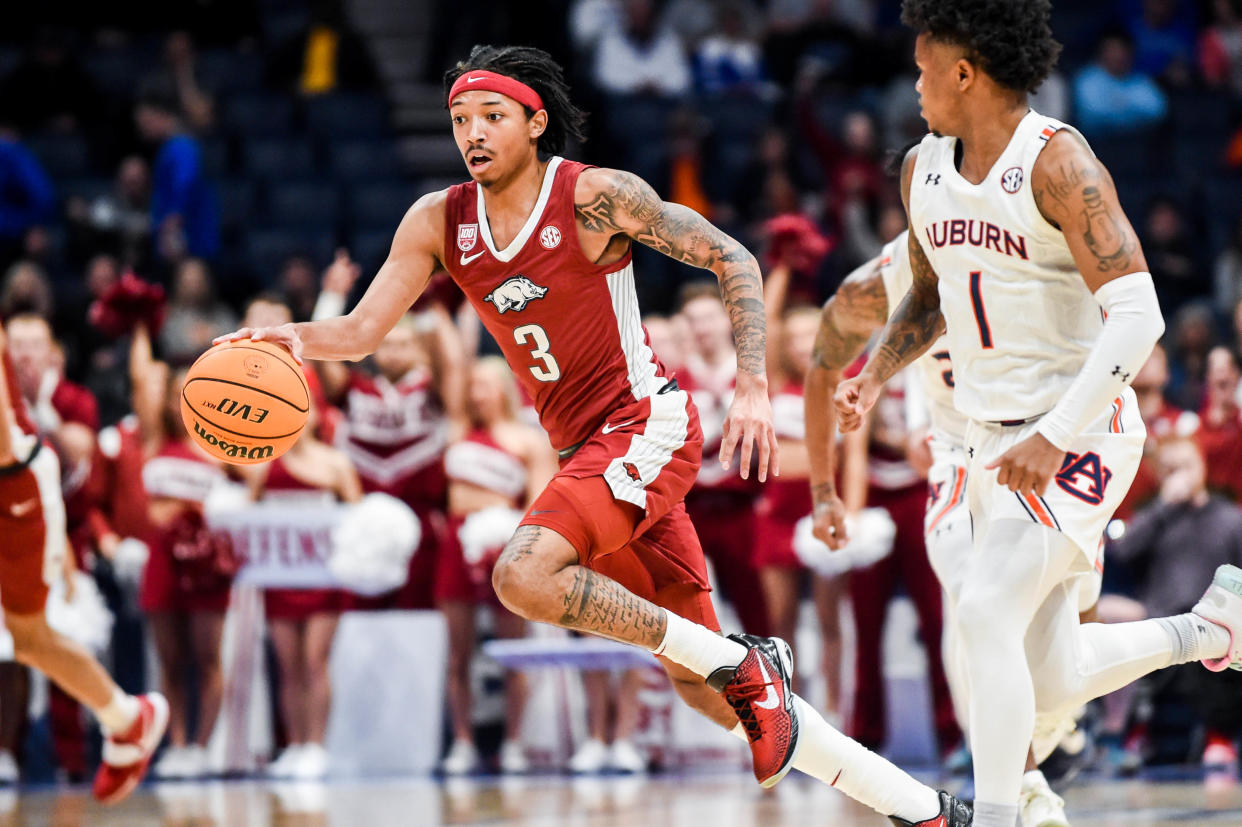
pixel 245 158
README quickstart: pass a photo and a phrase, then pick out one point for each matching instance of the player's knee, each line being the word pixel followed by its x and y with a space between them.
pixel 981 621
pixel 32 638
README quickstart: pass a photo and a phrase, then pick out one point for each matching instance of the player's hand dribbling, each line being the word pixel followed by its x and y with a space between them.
pixel 854 397
pixel 1029 466
pixel 285 335
pixel 750 420
pixel 828 522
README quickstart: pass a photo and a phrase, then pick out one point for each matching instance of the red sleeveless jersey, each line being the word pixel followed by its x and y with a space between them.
pixel 569 328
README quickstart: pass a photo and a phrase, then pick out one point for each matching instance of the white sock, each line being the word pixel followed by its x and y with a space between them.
pixel 698 648
pixel 1195 638
pixel 1032 779
pixel 120 713
pixel 840 761
pixel 995 815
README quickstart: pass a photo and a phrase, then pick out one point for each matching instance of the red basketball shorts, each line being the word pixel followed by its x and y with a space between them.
pixel 32 525
pixel 618 500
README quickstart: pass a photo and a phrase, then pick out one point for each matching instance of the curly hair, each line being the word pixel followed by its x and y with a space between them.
pixel 539 71
pixel 1009 39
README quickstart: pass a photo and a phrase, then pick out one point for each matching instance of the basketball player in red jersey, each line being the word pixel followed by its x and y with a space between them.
pixel 541 248
pixel 32 523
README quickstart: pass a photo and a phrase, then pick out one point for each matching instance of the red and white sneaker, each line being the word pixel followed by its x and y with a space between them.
pixel 758 690
pixel 126 756
pixel 953 813
pixel 1222 605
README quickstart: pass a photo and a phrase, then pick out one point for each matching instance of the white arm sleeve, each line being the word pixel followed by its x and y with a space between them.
pixel 1132 327
pixel 918 417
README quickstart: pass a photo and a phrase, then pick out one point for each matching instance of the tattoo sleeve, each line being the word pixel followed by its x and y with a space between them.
pixel 854 313
pixel 627 204
pixel 915 324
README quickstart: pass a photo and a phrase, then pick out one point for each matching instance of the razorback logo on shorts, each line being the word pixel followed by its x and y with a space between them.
pixel 1095 476
pixel 632 471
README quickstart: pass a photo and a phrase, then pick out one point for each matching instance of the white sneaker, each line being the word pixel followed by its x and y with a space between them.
pixel 8 768
pixel 1222 604
pixel 1038 805
pixel 311 763
pixel 590 758
pixel 623 756
pixel 171 765
pixel 194 762
pixel 462 759
pixel 283 765
pixel 513 759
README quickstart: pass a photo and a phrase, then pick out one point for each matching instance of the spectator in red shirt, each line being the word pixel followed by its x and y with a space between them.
pixel 1220 431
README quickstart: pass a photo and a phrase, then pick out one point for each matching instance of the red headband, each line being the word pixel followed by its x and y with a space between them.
pixel 493 82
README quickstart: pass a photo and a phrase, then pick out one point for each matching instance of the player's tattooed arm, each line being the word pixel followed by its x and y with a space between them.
pixel 850 318
pixel 1074 192
pixel 617 202
pixel 917 321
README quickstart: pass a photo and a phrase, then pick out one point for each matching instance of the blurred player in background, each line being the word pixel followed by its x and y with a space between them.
pixel 32 522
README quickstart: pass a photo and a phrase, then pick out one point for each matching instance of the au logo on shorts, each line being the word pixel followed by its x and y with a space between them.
pixel 1084 476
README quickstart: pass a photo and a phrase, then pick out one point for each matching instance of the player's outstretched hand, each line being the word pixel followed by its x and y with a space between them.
pixel 341 274
pixel 749 422
pixel 285 335
pixel 1029 466
pixel 828 522
pixel 854 397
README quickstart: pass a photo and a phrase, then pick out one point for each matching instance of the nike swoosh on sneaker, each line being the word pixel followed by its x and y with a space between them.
pixel 771 700
pixel 609 427
pixel 465 260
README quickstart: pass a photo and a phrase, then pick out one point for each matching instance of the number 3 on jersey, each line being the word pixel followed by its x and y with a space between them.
pixel 549 371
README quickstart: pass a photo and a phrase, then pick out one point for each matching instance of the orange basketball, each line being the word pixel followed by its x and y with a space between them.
pixel 245 402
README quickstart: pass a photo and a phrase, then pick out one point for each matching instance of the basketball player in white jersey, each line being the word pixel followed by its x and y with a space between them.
pixel 854 314
pixel 1020 250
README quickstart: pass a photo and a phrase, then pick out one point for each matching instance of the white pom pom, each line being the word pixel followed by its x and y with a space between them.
pixel 487 530
pixel 373 543
pixel 871 535
pixel 130 559
pixel 86 618
pixel 225 498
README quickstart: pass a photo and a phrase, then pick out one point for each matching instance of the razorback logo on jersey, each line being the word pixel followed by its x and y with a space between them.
pixel 467 235
pixel 514 293
pixel 1095 476
pixel 632 471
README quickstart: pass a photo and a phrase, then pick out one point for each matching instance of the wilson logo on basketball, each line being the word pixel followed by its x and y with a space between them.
pixel 231 407
pixel 232 449
pixel 550 237
pixel 254 366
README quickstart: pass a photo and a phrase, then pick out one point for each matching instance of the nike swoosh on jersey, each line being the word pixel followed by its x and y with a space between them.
pixel 465 260
pixel 22 509
pixel 609 427
pixel 770 700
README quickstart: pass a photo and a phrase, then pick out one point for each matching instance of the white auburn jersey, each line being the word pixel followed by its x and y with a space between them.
pixel 1020 319
pixel 934 367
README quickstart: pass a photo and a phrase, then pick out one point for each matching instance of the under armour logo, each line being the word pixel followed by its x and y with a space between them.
pixel 932 178
pixel 971 451
pixel 1117 371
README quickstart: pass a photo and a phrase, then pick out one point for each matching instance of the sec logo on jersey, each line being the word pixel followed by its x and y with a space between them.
pixel 550 237
pixel 1011 180
pixel 467 235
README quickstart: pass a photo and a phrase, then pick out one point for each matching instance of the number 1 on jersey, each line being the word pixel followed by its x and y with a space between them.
pixel 550 371
pixel 981 316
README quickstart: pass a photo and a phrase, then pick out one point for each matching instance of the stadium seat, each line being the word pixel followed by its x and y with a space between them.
pixel 118 72
pixel 369 248
pixel 364 160
pixel 736 117
pixel 265 250
pixel 238 201
pixel 639 118
pixel 348 115
pixel 303 203
pixel 278 158
pixel 87 188
pixel 380 204
pixel 432 155
pixel 227 71
pixel 61 155
pixel 215 155
pixel 257 114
